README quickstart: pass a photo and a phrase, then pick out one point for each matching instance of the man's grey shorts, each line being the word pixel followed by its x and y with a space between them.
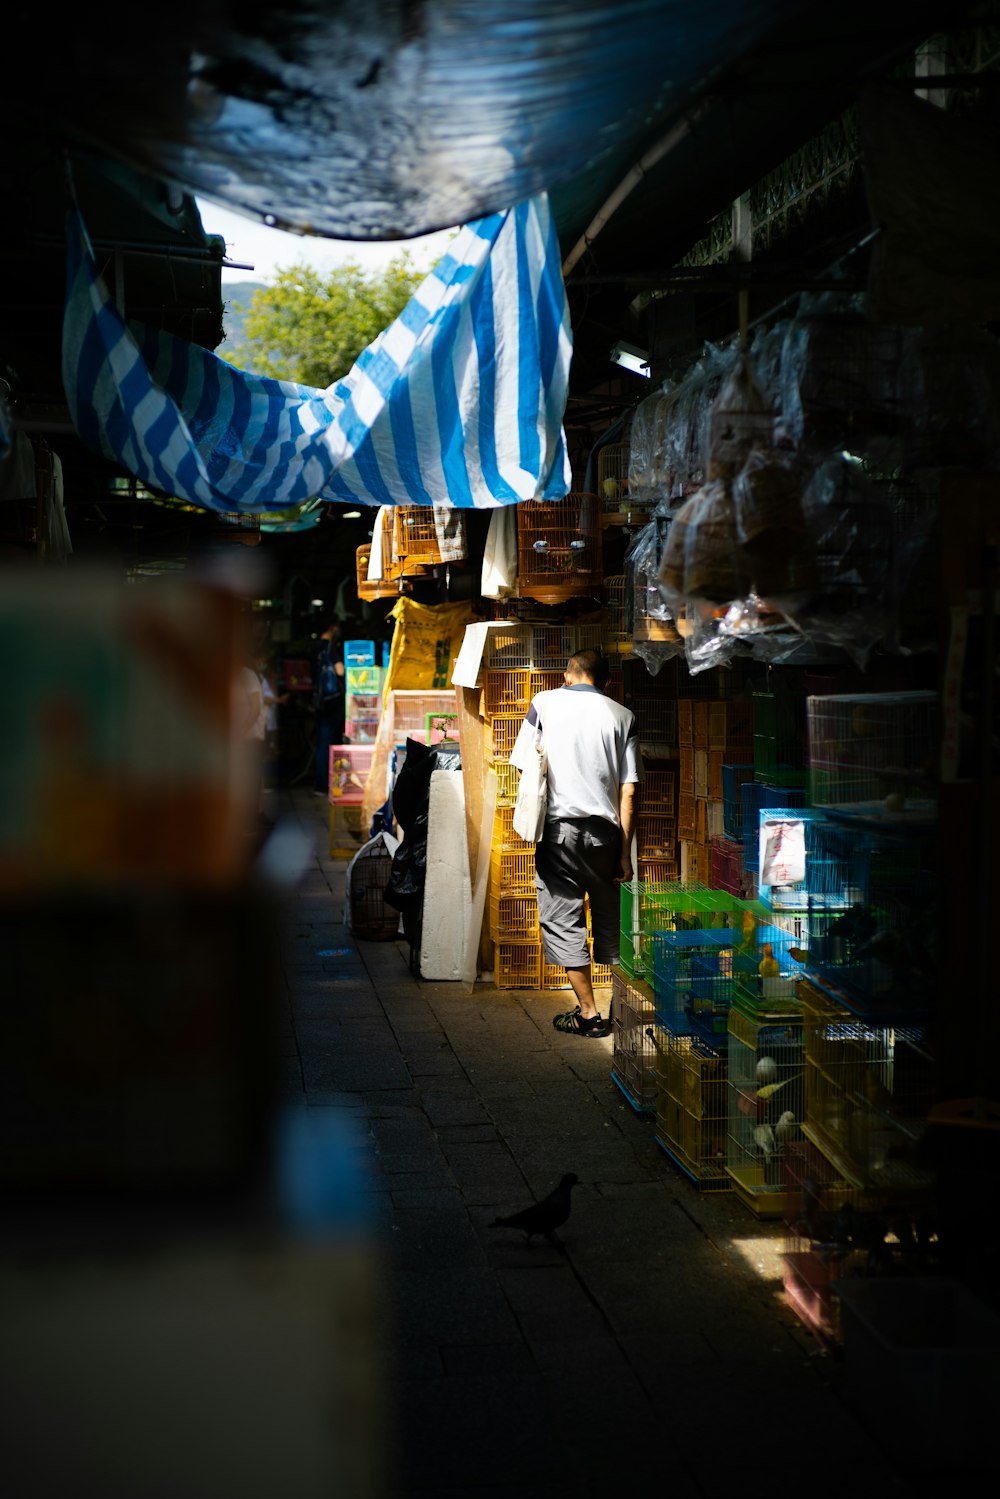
pixel 579 856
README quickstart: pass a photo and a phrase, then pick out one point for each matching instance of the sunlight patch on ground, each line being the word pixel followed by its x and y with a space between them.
pixel 764 1256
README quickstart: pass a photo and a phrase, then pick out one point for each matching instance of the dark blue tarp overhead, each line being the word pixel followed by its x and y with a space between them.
pixel 379 119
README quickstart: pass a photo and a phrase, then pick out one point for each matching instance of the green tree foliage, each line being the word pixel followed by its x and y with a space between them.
pixel 310 327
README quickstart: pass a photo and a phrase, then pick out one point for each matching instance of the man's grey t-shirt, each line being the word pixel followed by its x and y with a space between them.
pixel 591 745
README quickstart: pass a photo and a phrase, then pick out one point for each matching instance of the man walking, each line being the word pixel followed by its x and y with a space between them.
pixel 594 765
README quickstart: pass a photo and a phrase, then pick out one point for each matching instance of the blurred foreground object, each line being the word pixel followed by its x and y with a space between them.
pixel 187 1275
pixel 119 757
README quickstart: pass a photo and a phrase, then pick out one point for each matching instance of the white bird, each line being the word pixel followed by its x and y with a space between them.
pixel 786 1128
pixel 764 1136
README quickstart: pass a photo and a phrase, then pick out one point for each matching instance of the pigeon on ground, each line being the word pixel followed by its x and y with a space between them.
pixel 545 1216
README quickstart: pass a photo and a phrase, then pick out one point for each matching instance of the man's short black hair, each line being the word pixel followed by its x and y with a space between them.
pixel 590 663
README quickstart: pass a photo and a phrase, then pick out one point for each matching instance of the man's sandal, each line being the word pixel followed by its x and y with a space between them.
pixel 573 1024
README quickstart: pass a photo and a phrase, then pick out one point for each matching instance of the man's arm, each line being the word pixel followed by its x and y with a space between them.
pixel 626 816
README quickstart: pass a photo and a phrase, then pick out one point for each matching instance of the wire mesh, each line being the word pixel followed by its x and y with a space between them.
pixel 618 629
pixel 371 918
pixel 657 870
pixel 874 751
pixel 655 836
pixel 512 870
pixel 507 778
pixel 349 768
pixel 633 1057
pixel 754 798
pixel 733 777
pixel 872 901
pixel 667 905
pixel 868 1089
pixel 782 857
pixel 779 738
pixel 766 1103
pixel 691 1108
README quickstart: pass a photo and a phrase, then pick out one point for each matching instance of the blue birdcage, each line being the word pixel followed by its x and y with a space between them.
pixel 782 856
pixel 871 917
pixel 754 797
pixel 733 777
pixel 695 976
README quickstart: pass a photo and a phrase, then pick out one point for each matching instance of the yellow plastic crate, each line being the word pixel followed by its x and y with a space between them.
pixel 512 870
pixel 513 916
pixel 503 829
pixel 517 965
pixel 655 871
pixel 658 791
pixel 504 728
pixel 655 836
pixel 512 691
pixel 554 975
pixel 507 779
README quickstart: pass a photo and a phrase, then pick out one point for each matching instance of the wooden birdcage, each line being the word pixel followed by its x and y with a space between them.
pixel 559 554
pixel 386 587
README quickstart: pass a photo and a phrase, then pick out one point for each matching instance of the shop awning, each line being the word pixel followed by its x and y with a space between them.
pixel 459 402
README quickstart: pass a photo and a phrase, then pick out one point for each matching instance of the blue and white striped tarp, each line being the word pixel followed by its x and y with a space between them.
pixel 459 402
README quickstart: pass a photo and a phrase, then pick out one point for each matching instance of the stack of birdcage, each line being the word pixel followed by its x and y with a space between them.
pixel 656 824
pixel 662 1070
pixel 712 732
pixel 766 1102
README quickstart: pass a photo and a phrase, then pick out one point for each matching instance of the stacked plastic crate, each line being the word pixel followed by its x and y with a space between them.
pixel 510 682
pixel 656 824
pixel 766 1098
pixel 712 733
pixel 522 659
pixel 869 990
pixel 363 689
pixel 691 957
pixel 350 765
pixel 646 907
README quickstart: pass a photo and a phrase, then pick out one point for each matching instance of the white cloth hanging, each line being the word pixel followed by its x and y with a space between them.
pixel 500 558
pixel 376 557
